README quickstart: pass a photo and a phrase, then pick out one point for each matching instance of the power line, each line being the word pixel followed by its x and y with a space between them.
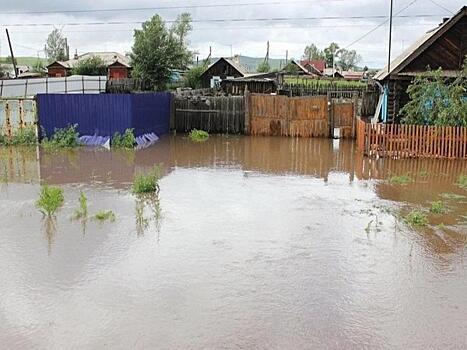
pixel 159 8
pixel 441 6
pixel 222 20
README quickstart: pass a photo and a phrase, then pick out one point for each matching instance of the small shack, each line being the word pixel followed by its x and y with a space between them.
pixel 223 68
pixel 443 47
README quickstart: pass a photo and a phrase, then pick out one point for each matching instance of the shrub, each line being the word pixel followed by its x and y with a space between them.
pixel 198 135
pixel 416 218
pixel 192 78
pixel 22 137
pixel 462 182
pixel 127 140
pixel 147 183
pixel 105 215
pixel 437 207
pixel 63 138
pixel 82 211
pixel 263 67
pixel 400 180
pixel 90 66
pixel 50 199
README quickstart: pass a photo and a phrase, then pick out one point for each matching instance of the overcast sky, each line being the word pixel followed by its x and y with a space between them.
pixel 240 37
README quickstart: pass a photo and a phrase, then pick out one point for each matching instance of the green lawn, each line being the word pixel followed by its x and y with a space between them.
pixel 23 61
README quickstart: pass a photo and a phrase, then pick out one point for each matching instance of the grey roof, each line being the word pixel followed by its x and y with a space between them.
pixel 241 69
pixel 419 46
pixel 108 58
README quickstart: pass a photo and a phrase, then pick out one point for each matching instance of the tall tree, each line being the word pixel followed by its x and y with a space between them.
pixel 263 67
pixel 329 53
pixel 56 46
pixel 158 49
pixel 348 59
pixel 312 53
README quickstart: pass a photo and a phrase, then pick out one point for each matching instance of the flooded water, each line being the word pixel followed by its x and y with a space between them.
pixel 252 243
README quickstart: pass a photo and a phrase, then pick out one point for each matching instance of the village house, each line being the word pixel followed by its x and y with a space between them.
pixel 443 47
pixel 314 65
pixel 118 65
pixel 223 68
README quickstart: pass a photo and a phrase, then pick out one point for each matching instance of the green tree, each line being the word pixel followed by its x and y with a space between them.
pixel 435 100
pixel 158 49
pixel 56 47
pixel 90 66
pixel 313 53
pixel 192 78
pixel 348 60
pixel 291 68
pixel 263 67
pixel 329 53
pixel 39 67
pixel 2 71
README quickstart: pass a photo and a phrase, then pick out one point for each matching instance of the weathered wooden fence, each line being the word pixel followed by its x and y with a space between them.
pixel 284 116
pixel 406 141
pixel 225 115
pixel 16 114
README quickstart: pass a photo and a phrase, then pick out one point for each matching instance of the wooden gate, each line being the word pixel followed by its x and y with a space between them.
pixel 343 118
pixel 287 116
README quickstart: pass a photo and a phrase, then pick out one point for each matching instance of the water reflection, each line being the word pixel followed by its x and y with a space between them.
pixel 49 227
pixel 147 211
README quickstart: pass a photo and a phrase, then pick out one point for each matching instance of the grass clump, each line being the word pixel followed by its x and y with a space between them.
pixel 437 207
pixel 50 199
pixel 22 137
pixel 462 182
pixel 416 218
pixel 82 211
pixel 127 140
pixel 63 138
pixel 198 135
pixel 147 183
pixel 452 196
pixel 400 180
pixel 105 215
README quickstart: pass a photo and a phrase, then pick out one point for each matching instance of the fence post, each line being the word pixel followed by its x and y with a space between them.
pixel 355 110
pixel 47 85
pixel 66 90
pixel 172 112
pixel 26 88
pixel 330 115
pixel 1 90
pixel 82 82
pixel 247 111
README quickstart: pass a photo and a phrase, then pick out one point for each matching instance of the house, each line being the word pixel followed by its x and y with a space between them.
pixel 223 68
pixel 353 75
pixel 319 65
pixel 332 73
pixel 443 47
pixel 118 65
pixel 310 70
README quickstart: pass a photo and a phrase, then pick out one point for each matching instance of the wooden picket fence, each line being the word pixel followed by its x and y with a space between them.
pixel 411 141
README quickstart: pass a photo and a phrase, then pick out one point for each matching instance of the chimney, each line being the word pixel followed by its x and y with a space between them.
pixel 445 19
pixel 76 54
pixel 236 59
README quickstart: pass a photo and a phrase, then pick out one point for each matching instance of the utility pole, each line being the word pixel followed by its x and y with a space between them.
pixel 11 52
pixel 390 38
pixel 266 59
pixel 286 57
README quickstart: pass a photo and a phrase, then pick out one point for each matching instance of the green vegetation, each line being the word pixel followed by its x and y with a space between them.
pixel 423 173
pixel 263 67
pixel 321 83
pixel 82 211
pixel 400 180
pixel 22 137
pixel 147 183
pixel 462 182
pixel 416 218
pixel 198 135
pixel 62 138
pixel 50 199
pixel 435 100
pixel 192 78
pixel 23 60
pixel 157 50
pixel 452 196
pixel 127 140
pixel 56 47
pixel 105 215
pixel 90 66
pixel 437 207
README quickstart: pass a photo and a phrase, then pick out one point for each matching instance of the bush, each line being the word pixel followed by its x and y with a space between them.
pixel 105 215
pixel 22 137
pixel 50 199
pixel 90 66
pixel 437 207
pixel 192 78
pixel 127 140
pixel 63 138
pixel 416 218
pixel 147 183
pixel 82 211
pixel 198 135
pixel 263 67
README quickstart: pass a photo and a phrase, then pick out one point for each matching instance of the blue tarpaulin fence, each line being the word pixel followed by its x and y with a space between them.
pixel 105 114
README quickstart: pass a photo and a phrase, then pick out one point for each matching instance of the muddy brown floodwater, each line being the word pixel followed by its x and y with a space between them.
pixel 253 243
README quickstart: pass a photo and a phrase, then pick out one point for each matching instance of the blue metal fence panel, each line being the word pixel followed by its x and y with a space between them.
pixel 151 113
pixel 105 114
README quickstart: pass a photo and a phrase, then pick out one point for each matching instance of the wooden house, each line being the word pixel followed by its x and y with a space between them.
pixel 444 47
pixel 118 66
pixel 223 68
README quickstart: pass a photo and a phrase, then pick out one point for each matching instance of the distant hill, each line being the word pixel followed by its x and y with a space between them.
pixel 251 63
pixel 23 61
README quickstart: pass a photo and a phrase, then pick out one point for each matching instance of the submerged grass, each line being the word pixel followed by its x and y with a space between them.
pixel 437 207
pixel 50 200
pixel 452 196
pixel 62 138
pixel 127 140
pixel 105 215
pixel 198 135
pixel 147 183
pixel 462 182
pixel 21 137
pixel 82 211
pixel 416 218
pixel 400 179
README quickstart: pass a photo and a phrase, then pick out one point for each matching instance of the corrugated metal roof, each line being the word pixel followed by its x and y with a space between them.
pixel 108 58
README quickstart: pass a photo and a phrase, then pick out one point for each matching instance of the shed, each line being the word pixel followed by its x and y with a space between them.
pixel 223 68
pixel 443 47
